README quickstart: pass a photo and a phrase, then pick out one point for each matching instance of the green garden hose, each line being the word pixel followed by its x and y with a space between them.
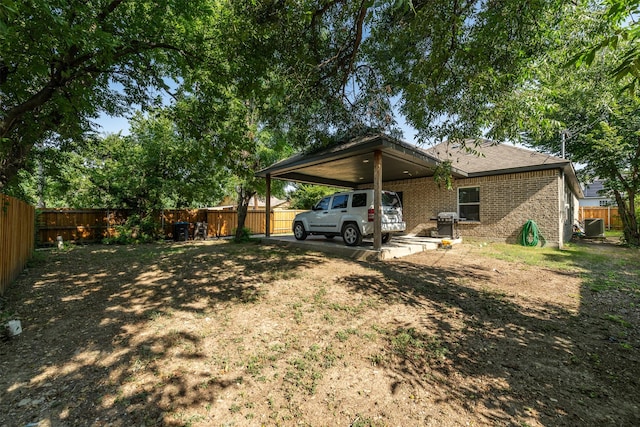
pixel 530 235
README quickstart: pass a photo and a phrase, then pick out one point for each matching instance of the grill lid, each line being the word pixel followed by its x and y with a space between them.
pixel 448 215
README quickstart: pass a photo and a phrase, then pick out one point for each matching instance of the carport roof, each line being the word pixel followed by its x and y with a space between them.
pixel 351 164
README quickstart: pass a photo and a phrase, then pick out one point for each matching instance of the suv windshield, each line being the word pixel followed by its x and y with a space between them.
pixel 322 205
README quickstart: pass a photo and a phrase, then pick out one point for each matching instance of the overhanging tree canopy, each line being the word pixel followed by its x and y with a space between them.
pixel 327 66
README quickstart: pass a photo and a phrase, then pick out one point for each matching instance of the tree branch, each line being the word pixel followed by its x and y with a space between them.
pixel 102 16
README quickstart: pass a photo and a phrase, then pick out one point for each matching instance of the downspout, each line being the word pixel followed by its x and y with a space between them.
pixel 563 196
pixel 563 208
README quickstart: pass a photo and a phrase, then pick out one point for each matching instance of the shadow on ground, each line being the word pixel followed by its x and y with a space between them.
pixel 540 361
pixel 83 311
pixel 507 358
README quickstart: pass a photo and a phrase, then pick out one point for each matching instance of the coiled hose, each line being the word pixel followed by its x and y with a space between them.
pixel 530 235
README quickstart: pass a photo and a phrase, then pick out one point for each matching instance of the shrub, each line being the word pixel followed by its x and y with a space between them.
pixel 245 235
pixel 135 230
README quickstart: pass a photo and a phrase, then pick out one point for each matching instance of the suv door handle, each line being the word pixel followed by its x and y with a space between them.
pixel 344 211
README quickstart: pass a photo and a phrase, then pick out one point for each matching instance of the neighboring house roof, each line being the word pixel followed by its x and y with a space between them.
pixel 595 192
pixel 275 202
pixel 593 189
pixel 229 203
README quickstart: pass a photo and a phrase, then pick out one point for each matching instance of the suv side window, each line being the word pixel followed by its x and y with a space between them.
pixel 340 202
pixel 322 205
pixel 359 200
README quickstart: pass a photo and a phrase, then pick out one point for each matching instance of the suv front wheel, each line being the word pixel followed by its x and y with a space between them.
pixel 299 232
pixel 351 234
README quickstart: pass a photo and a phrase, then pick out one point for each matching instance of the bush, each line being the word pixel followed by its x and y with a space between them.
pixel 245 235
pixel 135 230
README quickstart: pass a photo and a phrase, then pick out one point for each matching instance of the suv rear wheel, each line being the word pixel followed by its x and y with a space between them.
pixel 351 234
pixel 386 237
pixel 299 232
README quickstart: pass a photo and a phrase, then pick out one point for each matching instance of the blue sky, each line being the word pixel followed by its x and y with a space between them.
pixel 113 124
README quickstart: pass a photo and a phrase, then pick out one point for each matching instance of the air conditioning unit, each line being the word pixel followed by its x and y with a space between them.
pixel 594 227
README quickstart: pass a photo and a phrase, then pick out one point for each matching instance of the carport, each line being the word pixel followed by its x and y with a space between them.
pixel 362 162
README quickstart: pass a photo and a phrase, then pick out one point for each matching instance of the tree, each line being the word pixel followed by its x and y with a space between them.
pixel 155 167
pixel 450 62
pixel 263 149
pixel 63 63
pixel 305 196
pixel 600 120
pixel 325 66
pixel 621 34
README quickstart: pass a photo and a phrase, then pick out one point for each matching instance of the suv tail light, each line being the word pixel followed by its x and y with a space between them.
pixel 370 215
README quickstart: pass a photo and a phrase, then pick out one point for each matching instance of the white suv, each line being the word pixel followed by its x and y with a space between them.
pixel 350 215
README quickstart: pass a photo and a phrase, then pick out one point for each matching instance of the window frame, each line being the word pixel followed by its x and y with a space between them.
pixel 478 203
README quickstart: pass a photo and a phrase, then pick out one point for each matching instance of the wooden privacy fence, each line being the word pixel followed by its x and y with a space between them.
pixel 90 225
pixel 223 222
pixel 608 213
pixel 17 232
pixel 78 224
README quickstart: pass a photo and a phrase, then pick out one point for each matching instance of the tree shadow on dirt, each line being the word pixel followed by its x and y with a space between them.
pixel 536 362
pixel 81 341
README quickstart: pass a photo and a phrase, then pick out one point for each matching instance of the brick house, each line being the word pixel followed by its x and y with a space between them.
pixel 503 188
pixel 496 191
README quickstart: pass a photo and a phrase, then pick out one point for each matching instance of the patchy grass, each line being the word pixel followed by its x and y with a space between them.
pixel 600 269
pixel 216 333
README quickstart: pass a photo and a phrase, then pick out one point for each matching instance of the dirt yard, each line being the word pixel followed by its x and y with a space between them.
pixel 218 334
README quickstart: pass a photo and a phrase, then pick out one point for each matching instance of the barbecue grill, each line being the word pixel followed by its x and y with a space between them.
pixel 448 224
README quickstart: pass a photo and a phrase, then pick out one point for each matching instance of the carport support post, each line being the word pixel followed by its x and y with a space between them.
pixel 377 200
pixel 267 207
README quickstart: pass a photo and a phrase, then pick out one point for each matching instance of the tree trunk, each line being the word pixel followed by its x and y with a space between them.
pixel 627 211
pixel 12 161
pixel 244 197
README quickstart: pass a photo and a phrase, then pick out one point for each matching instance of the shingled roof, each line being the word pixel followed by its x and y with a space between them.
pixel 483 157
pixel 493 158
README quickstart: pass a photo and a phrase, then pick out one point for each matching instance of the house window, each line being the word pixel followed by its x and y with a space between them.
pixel 469 203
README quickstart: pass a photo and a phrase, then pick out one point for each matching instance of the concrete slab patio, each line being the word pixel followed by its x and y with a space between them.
pixel 398 247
